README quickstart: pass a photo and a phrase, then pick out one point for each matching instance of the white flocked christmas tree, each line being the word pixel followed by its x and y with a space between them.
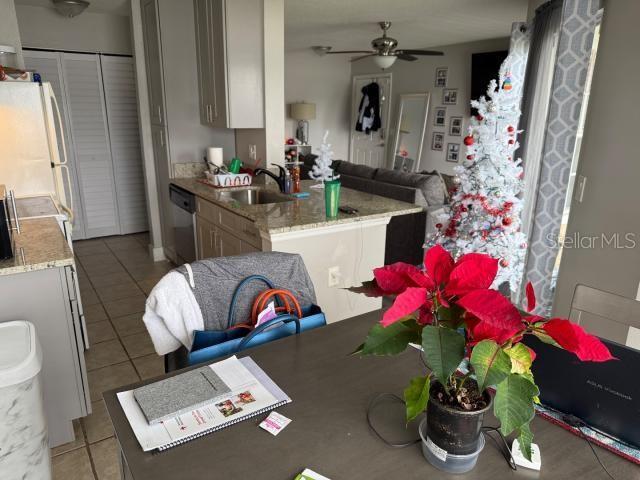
pixel 484 213
pixel 322 169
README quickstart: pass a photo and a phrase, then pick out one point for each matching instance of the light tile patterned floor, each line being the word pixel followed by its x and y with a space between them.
pixel 116 273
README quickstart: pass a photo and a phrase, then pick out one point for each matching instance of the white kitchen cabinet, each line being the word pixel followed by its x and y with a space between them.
pixel 47 298
pixel 153 59
pixel 163 169
pixel 230 57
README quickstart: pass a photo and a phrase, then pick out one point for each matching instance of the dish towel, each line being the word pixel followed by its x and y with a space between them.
pixel 172 314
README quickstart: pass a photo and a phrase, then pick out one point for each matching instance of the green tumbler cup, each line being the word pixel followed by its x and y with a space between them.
pixel 331 197
pixel 235 165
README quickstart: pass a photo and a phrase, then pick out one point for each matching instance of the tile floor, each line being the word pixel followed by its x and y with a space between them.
pixel 115 274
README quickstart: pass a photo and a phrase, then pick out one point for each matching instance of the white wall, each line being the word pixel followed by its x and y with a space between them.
pixel 10 34
pixel 609 161
pixel 419 77
pixel 43 27
pixel 325 81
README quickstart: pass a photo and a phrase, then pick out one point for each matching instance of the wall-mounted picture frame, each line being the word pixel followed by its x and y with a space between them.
pixel 440 116
pixel 441 77
pixel 455 126
pixel 437 142
pixel 450 96
pixel 453 152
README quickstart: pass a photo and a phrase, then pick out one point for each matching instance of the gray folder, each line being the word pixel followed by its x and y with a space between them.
pixel 176 395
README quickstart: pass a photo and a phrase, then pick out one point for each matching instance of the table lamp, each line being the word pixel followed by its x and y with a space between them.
pixel 303 112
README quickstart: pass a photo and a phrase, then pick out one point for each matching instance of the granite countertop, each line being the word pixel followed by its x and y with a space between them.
pixel 301 214
pixel 43 245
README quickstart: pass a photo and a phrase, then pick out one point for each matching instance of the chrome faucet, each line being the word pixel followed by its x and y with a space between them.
pixel 280 179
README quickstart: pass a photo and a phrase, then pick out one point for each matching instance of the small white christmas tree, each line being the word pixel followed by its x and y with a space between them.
pixel 484 213
pixel 322 169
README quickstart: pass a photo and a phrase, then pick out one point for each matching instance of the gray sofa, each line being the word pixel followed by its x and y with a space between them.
pixel 405 234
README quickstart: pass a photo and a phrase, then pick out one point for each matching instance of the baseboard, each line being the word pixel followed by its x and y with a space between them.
pixel 157 253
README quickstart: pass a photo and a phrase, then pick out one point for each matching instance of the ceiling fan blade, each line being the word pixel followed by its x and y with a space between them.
pixel 350 51
pixel 407 57
pixel 419 52
pixel 355 59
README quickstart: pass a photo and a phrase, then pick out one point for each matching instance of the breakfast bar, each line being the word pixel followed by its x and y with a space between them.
pixel 338 252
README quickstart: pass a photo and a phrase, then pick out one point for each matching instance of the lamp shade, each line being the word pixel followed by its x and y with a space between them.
pixel 303 111
pixel 384 61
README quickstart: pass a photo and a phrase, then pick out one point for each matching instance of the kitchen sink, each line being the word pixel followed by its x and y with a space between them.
pixel 254 197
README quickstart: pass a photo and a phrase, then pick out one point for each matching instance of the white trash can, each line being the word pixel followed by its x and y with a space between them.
pixel 24 446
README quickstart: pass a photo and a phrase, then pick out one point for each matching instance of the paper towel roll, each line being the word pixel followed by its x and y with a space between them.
pixel 214 156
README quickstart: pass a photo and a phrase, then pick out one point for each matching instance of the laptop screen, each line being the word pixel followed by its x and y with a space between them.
pixel 606 395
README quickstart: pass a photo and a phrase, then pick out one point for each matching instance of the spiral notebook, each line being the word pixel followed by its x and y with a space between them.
pixel 251 392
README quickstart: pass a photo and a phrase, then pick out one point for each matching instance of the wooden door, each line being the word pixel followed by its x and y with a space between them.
pixel 153 58
pixel 90 139
pixel 370 148
pixel 203 56
pixel 228 244
pixel 119 81
pixel 218 96
pixel 206 238
pixel 49 66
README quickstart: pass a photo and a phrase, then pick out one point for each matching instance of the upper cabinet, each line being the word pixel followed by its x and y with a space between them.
pixel 153 58
pixel 230 57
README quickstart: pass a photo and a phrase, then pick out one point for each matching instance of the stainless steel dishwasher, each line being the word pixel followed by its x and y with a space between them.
pixel 183 206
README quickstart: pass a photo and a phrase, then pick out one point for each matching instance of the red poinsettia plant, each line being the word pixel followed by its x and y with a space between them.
pixel 471 336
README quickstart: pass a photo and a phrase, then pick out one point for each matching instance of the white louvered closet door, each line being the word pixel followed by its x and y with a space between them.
pixel 119 81
pixel 48 65
pixel 90 138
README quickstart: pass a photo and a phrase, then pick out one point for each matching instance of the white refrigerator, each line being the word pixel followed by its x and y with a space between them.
pixel 33 163
pixel 33 154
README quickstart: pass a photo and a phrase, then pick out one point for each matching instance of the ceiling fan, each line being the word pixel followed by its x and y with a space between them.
pixel 384 50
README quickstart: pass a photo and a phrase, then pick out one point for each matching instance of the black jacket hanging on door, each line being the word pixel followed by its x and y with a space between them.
pixel 369 110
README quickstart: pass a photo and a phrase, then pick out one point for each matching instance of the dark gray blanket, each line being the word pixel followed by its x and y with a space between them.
pixel 217 278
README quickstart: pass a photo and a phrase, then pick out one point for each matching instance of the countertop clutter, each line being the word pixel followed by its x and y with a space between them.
pixel 300 214
pixel 40 245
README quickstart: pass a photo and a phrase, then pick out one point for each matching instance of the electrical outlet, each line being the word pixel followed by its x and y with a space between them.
pixel 252 153
pixel 334 276
pixel 638 293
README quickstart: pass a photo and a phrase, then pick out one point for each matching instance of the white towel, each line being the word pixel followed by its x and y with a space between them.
pixel 172 314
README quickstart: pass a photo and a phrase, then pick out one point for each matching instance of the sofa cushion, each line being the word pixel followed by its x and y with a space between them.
pixel 431 186
pixel 355 170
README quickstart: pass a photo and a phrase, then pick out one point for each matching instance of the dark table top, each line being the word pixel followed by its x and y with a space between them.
pixel 329 432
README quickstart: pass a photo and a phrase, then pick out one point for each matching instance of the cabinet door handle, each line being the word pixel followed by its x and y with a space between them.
pixel 159 113
pixel 162 138
pixel 12 195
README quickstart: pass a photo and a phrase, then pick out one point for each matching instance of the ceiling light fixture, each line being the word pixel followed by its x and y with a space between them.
pixel 384 61
pixel 321 50
pixel 70 8
pixel 7 49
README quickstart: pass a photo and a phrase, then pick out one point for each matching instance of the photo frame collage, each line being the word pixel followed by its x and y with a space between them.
pixel 449 97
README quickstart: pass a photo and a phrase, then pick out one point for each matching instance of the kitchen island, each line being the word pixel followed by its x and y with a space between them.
pixel 39 284
pixel 339 252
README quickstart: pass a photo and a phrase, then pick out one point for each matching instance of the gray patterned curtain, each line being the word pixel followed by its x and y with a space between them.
pixel 552 101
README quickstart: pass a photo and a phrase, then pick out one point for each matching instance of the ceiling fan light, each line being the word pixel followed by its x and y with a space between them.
pixel 384 61
pixel 70 8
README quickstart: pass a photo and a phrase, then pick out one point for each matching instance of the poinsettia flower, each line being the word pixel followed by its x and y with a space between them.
pixel 473 271
pixel 406 303
pixel 531 297
pixel 397 277
pixel 438 264
pixel 573 338
pixel 493 317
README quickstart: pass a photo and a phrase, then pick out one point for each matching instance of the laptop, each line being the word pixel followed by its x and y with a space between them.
pixel 606 396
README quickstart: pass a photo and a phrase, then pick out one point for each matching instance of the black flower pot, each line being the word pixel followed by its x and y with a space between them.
pixel 455 431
